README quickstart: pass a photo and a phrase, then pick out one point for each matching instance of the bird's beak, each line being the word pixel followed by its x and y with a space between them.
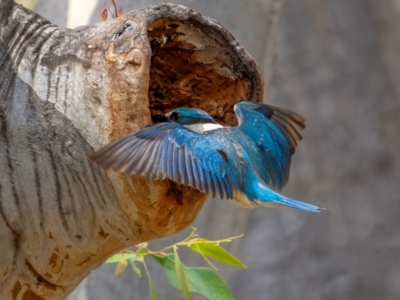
pixel 160 118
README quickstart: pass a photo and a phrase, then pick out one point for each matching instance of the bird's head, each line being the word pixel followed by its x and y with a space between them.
pixel 186 116
pixel 189 116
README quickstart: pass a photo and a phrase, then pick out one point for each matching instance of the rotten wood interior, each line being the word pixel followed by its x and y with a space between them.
pixel 191 67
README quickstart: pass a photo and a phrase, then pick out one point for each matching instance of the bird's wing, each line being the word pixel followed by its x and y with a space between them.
pixel 169 150
pixel 276 133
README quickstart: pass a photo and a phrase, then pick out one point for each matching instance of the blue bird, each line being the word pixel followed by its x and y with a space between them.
pixel 189 147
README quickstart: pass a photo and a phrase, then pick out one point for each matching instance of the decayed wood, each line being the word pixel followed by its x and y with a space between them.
pixel 64 92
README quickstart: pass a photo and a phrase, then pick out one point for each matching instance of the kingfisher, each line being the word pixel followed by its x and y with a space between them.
pixel 243 163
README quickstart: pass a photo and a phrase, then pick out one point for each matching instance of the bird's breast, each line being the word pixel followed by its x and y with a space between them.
pixel 202 127
pixel 240 199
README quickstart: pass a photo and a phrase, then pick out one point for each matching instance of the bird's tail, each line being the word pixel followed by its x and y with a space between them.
pixel 269 198
pixel 292 203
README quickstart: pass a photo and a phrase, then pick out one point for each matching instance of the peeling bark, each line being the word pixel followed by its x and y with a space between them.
pixel 64 92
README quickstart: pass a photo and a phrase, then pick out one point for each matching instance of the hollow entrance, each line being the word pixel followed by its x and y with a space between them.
pixel 194 66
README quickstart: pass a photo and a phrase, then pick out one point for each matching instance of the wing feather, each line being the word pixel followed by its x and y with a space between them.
pixel 152 159
pixel 168 150
pixel 189 170
pixel 276 132
pixel 133 160
pixel 182 166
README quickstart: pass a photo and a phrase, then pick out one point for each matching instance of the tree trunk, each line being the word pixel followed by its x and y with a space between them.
pixel 64 92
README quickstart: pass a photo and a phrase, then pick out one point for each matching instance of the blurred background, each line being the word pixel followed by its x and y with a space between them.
pixel 337 63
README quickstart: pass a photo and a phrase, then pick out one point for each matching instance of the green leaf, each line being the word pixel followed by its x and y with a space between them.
pixel 135 268
pixel 153 291
pixel 199 280
pixel 181 276
pixel 120 256
pixel 216 252
pixel 142 251
pixel 121 267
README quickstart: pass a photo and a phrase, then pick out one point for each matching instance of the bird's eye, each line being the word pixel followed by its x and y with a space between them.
pixel 175 116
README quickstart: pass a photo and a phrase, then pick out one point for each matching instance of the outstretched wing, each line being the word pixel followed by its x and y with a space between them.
pixel 276 133
pixel 169 150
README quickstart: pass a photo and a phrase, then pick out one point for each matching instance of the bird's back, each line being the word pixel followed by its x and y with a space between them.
pixel 242 152
pixel 276 133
